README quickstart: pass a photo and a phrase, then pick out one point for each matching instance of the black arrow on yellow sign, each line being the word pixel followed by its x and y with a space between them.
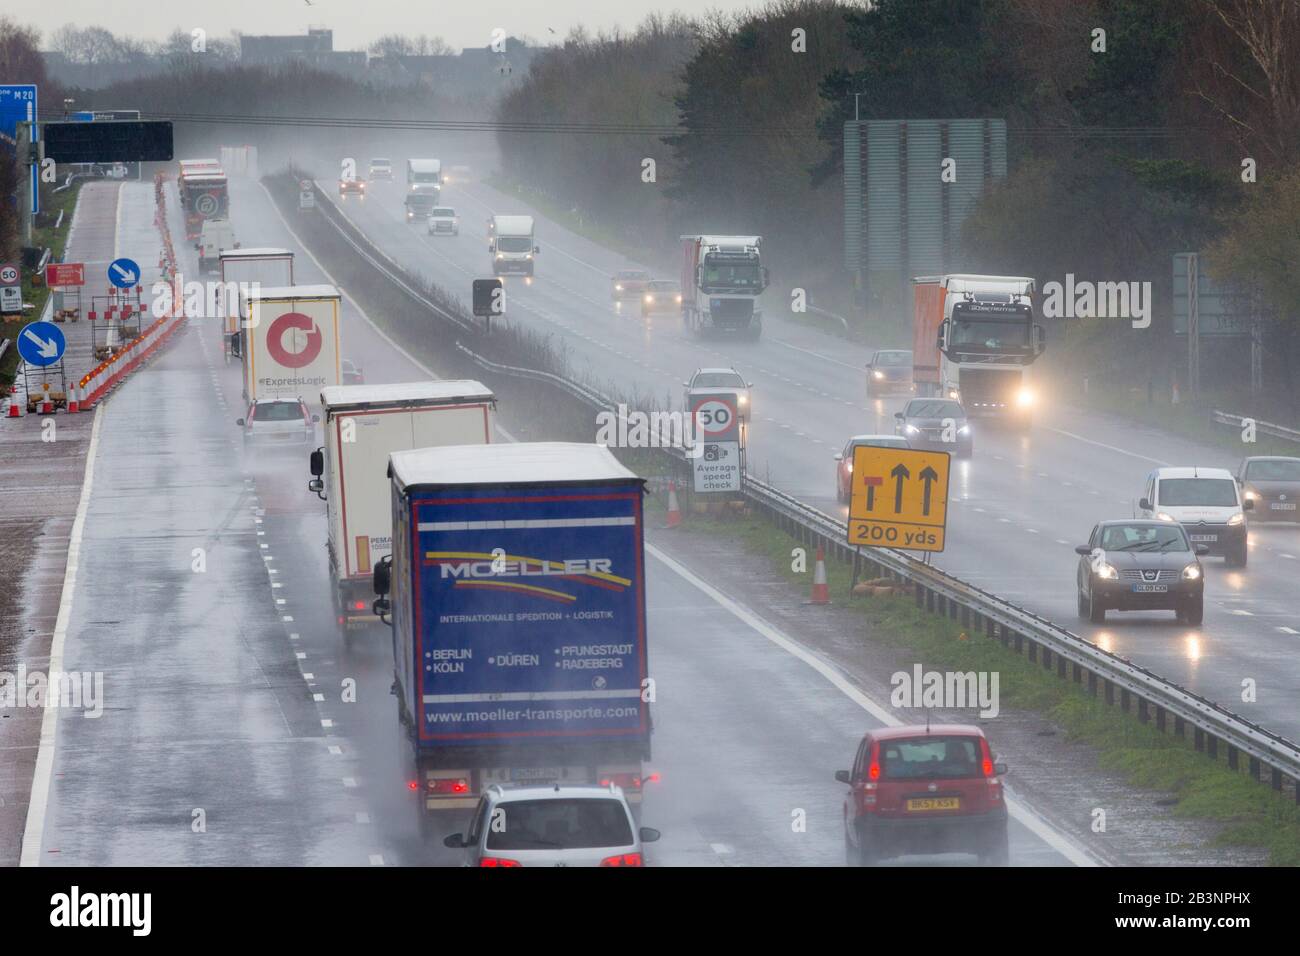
pixel 929 476
pixel 900 474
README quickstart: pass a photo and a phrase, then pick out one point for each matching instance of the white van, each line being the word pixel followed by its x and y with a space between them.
pixel 214 236
pixel 1206 502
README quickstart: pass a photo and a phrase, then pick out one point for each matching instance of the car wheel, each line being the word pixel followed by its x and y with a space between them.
pixel 1096 610
pixel 1083 606
pixel 1194 611
pixel 867 852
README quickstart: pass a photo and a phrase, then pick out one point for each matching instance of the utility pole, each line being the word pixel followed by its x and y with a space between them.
pixel 1193 326
pixel 26 178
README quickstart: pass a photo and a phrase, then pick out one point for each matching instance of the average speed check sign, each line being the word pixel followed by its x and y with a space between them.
pixel 899 498
pixel 715 451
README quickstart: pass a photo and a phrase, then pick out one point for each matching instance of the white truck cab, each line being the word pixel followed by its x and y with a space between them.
pixel 215 236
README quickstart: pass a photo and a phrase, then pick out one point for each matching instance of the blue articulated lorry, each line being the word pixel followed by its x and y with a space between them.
pixel 516 594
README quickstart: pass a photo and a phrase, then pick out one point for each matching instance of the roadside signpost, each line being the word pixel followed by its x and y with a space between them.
pixel 17 106
pixel 11 289
pixel 489 299
pixel 62 274
pixel 715 420
pixel 899 498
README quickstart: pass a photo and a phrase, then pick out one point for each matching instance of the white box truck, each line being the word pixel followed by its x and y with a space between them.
pixel 290 341
pixel 363 425
pixel 247 269
pixel 512 245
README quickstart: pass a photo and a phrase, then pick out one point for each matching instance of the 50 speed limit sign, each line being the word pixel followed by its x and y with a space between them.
pixel 715 417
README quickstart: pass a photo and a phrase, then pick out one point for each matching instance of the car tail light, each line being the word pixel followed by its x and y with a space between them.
pixel 500 861
pixel 448 785
pixel 623 859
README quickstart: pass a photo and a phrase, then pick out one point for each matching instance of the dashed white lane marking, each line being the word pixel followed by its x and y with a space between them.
pixel 319 698
pixel 721 849
pixel 300 655
pixel 308 676
pixel 326 722
pixel 362 817
pixel 1288 556
pixel 349 781
pixel 376 859
pixel 1022 812
pixel 1120 451
pixel 1241 613
pixel 1288 630
pixel 335 750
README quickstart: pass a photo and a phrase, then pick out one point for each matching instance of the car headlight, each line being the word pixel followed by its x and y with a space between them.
pixel 878 374
pixel 849 467
pixel 911 430
pixel 1236 519
pixel 1252 495
pixel 649 298
pixel 618 288
pixel 1025 398
pixel 679 300
pixel 964 430
pixel 500 256
pixel 1191 572
pixel 1164 517
pixel 1106 572
pixel 742 399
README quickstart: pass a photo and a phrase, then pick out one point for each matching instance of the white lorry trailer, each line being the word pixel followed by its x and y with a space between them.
pixel 248 269
pixel 363 425
pixel 722 278
pixel 290 341
pixel 512 245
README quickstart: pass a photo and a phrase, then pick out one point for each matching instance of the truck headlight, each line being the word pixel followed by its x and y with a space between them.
pixel 1164 517
pixel 742 399
pixel 878 375
pixel 1191 572
pixel 954 394
pixel 1025 398
pixel 1251 495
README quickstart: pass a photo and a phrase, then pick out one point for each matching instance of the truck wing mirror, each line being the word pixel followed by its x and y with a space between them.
pixel 942 340
pixel 382 577
pixel 1248 504
pixel 1040 340
pixel 1145 504
pixel 537 250
pixel 317 465
pixel 239 421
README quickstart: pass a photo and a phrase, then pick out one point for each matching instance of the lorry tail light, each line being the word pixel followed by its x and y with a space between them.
pixel 358 605
pixel 412 785
pixel 623 859
pixel 627 781
pixel 448 786
pixel 501 861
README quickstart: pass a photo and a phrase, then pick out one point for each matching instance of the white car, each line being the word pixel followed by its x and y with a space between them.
pixel 553 825
pixel 443 221
pixel 278 422
pixel 722 380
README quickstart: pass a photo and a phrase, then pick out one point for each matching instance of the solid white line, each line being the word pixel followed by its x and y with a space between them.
pixel 360 311
pixel 1056 840
pixel 824 358
pixel 34 831
pixel 1121 451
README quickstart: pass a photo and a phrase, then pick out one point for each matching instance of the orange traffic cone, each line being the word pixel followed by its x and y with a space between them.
pixel 674 510
pixel 74 400
pixel 15 408
pixel 821 592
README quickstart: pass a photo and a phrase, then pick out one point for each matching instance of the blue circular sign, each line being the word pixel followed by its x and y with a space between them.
pixel 41 343
pixel 123 273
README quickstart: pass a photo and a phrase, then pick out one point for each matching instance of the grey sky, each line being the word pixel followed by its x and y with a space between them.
pixel 357 22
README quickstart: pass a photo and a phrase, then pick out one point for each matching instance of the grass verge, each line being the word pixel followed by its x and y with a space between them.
pixel 1250 814
pixel 43 236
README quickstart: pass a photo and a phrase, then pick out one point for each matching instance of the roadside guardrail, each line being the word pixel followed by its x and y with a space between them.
pixel 1265 428
pixel 1153 698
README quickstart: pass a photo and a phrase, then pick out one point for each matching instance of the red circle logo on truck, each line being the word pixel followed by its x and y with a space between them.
pixel 304 336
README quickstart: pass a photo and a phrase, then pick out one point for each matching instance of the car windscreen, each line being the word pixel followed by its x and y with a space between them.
pixel 893 359
pixel 661 286
pixel 277 412
pixel 923 758
pixel 718 380
pixel 514 244
pixel 559 824
pixel 634 276
pixel 1144 537
pixel 442 212
pixel 935 409
pixel 1283 469
pixel 1202 492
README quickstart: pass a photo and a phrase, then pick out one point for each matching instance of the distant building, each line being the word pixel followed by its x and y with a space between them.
pixel 315 49
pixel 93 76
pixel 474 72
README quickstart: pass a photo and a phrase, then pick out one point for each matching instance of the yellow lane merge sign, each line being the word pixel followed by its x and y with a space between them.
pixel 899 498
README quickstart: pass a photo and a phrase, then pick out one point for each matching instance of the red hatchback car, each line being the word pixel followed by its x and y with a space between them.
pixel 922 789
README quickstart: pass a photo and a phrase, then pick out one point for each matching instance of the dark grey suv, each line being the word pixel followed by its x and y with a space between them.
pixel 1140 565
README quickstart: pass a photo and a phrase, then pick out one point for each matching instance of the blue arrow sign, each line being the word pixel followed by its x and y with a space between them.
pixel 41 343
pixel 123 273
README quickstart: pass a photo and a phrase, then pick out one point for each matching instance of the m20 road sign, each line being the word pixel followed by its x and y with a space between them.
pixel 899 498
